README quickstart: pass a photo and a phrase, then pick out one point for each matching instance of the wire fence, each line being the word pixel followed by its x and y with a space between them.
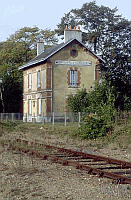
pixel 62 118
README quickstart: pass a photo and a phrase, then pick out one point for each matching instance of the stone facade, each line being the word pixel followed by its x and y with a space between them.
pixel 49 82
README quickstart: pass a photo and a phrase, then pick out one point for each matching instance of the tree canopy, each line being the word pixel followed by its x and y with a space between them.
pixel 109 35
pixel 19 48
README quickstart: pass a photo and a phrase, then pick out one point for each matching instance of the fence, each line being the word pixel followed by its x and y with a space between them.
pixel 53 118
pixel 11 116
pixel 63 118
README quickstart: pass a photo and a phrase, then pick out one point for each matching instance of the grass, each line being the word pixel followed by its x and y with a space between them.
pixel 119 138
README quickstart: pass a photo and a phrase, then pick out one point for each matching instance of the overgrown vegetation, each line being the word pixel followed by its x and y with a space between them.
pixel 119 137
pixel 94 127
pixel 99 109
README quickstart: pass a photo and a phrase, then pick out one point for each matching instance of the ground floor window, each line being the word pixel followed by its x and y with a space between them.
pixel 30 110
pixel 39 111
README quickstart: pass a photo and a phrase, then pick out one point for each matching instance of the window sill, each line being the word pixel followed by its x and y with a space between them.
pixel 72 86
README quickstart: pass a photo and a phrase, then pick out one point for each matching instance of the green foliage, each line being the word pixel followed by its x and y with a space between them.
pixel 18 49
pixel 120 78
pixel 93 127
pixel 79 102
pixel 11 88
pixel 108 33
pixel 7 126
pixel 102 101
pixel 103 28
pixel 21 46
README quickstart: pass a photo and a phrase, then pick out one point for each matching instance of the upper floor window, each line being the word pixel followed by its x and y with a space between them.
pixel 73 78
pixel 39 80
pixel 74 53
pixel 29 85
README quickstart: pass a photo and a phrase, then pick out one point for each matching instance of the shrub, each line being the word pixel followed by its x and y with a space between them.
pixel 94 127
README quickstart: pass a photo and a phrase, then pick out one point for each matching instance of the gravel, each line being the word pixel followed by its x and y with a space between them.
pixel 23 177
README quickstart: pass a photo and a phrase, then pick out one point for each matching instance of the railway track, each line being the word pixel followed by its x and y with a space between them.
pixel 117 170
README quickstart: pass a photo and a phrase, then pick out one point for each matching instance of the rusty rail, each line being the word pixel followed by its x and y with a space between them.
pixel 70 157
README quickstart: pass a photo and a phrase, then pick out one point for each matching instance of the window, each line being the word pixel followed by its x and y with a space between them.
pixel 39 107
pixel 39 81
pixel 33 103
pixel 73 78
pixel 29 81
pixel 30 107
pixel 74 53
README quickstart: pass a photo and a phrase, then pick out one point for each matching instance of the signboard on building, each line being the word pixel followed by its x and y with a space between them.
pixel 67 62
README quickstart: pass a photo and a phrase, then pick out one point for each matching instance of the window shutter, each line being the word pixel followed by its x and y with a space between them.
pixel 39 81
pixel 29 107
pixel 39 106
pixel 71 77
pixel 29 81
pixel 75 78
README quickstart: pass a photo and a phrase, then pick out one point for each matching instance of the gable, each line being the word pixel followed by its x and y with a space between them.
pixel 55 49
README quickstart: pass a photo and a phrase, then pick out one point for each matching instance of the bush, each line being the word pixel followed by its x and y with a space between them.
pixel 9 125
pixel 94 127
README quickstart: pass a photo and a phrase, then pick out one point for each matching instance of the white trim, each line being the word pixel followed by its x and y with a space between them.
pixel 42 91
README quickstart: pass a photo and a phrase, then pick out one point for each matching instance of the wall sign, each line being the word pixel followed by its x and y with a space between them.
pixel 66 62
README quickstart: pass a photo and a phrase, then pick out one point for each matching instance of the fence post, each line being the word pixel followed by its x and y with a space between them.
pixel 6 117
pixel 53 119
pixel 25 117
pixel 12 116
pixel 19 117
pixel 65 118
pixel 33 117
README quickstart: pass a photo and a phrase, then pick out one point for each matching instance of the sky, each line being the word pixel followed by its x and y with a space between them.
pixel 16 14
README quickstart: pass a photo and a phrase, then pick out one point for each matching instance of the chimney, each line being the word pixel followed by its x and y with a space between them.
pixel 72 33
pixel 40 46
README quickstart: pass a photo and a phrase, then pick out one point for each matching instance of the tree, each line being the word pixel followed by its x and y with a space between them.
pixel 93 19
pixel 21 46
pixel 102 100
pixel 79 102
pixel 12 90
pixel 120 78
pixel 18 49
pixel 98 110
pixel 109 33
pixel 110 36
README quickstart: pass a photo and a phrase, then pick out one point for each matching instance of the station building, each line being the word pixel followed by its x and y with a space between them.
pixel 57 72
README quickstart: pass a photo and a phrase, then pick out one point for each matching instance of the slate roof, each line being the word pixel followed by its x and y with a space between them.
pixel 51 51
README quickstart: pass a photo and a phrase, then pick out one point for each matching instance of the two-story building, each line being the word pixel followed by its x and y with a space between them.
pixel 57 72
